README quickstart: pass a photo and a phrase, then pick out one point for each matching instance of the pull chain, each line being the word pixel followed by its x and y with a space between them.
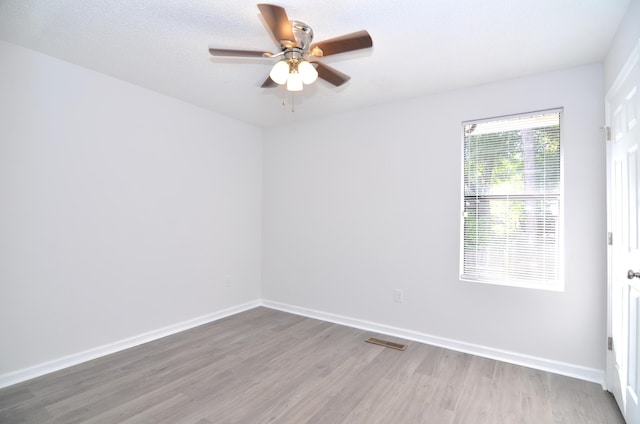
pixel 284 96
pixel 293 99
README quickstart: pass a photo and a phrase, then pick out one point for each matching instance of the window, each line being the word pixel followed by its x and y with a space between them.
pixel 511 202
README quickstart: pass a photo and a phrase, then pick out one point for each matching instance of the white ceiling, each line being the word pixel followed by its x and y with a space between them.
pixel 420 47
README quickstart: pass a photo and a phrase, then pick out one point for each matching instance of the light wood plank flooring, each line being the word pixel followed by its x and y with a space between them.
pixel 266 366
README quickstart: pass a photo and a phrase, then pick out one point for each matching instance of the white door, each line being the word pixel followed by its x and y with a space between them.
pixel 623 119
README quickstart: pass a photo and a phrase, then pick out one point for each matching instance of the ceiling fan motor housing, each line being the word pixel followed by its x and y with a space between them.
pixel 303 34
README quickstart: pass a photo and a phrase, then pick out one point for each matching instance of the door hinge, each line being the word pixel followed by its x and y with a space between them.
pixel 610 343
pixel 610 238
pixel 607 133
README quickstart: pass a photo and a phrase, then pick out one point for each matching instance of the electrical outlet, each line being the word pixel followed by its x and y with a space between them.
pixel 398 296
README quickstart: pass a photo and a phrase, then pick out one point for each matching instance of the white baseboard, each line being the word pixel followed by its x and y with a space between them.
pixel 576 371
pixel 77 358
pixel 556 367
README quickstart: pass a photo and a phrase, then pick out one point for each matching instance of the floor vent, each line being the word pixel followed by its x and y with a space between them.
pixel 385 343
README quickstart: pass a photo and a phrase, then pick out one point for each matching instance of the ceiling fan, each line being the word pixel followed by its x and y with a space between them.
pixel 298 65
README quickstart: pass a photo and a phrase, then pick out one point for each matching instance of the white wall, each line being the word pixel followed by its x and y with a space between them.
pixel 122 211
pixel 358 204
pixel 627 38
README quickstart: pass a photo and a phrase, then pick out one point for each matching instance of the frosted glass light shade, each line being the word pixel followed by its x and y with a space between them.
pixel 294 83
pixel 308 72
pixel 280 72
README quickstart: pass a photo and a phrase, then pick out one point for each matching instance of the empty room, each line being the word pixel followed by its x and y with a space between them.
pixel 217 211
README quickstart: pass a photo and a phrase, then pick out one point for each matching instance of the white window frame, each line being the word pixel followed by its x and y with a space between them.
pixel 556 285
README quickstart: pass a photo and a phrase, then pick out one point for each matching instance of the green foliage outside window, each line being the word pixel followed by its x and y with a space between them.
pixel 512 202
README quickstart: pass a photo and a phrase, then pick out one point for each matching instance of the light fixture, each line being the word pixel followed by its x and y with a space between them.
pixel 280 72
pixel 294 72
pixel 308 72
pixel 294 82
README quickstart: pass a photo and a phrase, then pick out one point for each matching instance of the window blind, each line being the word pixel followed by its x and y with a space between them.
pixel 512 200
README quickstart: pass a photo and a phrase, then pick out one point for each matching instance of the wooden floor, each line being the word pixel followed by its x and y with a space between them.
pixel 266 366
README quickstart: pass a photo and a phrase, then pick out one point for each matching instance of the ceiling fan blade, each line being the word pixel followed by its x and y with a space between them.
pixel 345 43
pixel 278 22
pixel 330 74
pixel 238 53
pixel 268 83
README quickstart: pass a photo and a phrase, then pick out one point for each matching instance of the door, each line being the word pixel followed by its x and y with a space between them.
pixel 623 120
